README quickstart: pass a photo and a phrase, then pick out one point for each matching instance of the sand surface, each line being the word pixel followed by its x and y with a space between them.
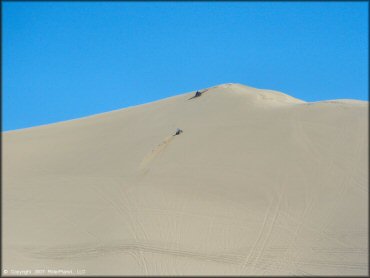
pixel 258 183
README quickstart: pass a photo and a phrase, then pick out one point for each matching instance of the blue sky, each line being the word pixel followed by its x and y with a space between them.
pixel 72 59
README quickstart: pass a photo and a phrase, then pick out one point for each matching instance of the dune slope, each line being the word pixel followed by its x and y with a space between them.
pixel 258 183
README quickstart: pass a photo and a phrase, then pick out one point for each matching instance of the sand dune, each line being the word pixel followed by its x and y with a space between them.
pixel 258 183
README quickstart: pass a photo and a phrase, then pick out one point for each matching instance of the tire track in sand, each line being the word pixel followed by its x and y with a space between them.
pixel 68 252
pixel 149 157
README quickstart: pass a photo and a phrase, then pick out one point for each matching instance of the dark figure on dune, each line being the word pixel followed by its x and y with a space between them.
pixel 178 131
pixel 198 94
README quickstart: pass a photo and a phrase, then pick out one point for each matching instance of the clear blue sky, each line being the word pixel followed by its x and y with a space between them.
pixel 72 59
